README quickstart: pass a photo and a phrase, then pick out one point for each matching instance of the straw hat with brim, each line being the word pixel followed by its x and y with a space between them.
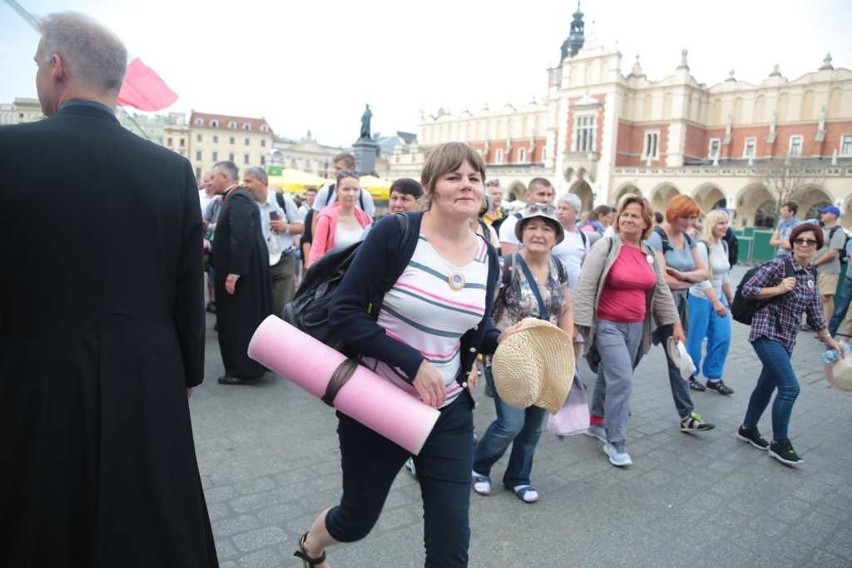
pixel 839 374
pixel 536 211
pixel 534 366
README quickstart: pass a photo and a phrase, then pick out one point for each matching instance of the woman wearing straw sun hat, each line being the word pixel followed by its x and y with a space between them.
pixel 534 285
pixel 621 286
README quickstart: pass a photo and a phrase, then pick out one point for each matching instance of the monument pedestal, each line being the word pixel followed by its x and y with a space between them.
pixel 366 152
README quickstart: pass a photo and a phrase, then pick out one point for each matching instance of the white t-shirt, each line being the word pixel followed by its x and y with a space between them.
pixel 507 230
pixel 571 252
pixel 204 200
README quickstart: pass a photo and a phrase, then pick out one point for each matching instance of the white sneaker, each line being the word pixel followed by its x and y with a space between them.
pixel 618 456
pixel 596 432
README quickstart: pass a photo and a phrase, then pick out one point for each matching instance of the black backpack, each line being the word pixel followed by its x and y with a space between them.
pixel 308 311
pixel 742 308
pixel 841 255
pixel 733 246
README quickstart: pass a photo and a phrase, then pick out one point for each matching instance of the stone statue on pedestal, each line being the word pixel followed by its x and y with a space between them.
pixel 365 124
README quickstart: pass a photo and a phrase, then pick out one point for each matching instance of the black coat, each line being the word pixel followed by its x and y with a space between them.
pixel 101 331
pixel 239 248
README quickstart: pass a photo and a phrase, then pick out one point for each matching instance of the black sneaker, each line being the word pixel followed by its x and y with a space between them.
pixel 695 385
pixel 784 452
pixel 753 437
pixel 693 422
pixel 720 387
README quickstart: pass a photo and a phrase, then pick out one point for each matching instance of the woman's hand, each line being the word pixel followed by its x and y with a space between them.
pixel 678 334
pixel 832 343
pixel 473 377
pixel 719 308
pixel 430 385
pixel 786 285
pixel 507 332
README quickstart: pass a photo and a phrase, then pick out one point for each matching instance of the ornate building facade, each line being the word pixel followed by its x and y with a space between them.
pixel 214 137
pixel 602 134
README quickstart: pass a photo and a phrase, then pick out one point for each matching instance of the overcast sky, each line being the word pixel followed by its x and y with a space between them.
pixel 313 65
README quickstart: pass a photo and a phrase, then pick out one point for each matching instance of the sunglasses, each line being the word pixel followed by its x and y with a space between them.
pixel 805 242
pixel 545 208
pixel 347 174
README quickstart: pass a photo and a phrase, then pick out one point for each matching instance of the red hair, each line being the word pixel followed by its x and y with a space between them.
pixel 682 206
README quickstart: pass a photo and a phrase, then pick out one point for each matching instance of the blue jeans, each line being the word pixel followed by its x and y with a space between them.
pixel 520 427
pixel 680 388
pixel 841 305
pixel 705 322
pixel 777 373
pixel 370 463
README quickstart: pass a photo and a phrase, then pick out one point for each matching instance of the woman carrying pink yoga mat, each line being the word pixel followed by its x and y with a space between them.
pixel 433 322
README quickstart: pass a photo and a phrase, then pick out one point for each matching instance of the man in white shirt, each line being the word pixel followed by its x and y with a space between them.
pixel 327 195
pixel 279 226
pixel 539 190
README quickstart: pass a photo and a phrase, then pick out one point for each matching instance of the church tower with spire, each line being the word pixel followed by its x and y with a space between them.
pixel 572 45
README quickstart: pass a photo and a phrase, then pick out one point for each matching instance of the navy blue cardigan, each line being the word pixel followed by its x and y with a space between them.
pixel 383 252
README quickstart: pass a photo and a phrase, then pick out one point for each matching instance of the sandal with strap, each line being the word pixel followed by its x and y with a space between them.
pixel 307 560
pixel 526 493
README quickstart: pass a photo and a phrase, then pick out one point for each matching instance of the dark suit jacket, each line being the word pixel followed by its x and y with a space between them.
pixel 101 331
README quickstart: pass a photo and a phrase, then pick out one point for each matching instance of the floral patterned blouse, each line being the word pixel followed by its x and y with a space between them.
pixel 516 299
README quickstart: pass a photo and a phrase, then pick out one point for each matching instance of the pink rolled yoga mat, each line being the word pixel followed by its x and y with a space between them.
pixel 366 397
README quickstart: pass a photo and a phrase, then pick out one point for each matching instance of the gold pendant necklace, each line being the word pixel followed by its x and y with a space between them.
pixel 456 280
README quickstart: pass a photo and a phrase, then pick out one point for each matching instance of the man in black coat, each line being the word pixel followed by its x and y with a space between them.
pixel 101 326
pixel 243 282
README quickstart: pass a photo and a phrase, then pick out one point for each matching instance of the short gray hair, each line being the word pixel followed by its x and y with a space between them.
pixel 572 200
pixel 228 168
pixel 258 173
pixel 94 55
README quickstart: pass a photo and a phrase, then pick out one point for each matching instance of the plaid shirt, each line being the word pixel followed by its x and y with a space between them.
pixel 779 319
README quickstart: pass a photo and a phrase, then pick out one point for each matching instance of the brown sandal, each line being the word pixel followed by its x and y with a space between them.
pixel 307 561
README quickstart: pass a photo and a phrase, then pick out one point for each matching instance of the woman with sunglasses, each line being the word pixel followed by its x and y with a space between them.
pixel 621 288
pixel 342 224
pixel 682 267
pixel 534 285
pixel 789 286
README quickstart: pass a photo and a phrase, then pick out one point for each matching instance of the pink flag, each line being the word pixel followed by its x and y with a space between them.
pixel 143 88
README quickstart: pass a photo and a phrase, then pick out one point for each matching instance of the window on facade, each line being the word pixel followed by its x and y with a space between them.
pixel 215 138
pixel 846 145
pixel 198 137
pixel 795 146
pixel 199 122
pixel 263 143
pixel 198 155
pixel 652 143
pixel 522 155
pixel 214 123
pixel 231 156
pixel 750 147
pixel 232 141
pixel 232 125
pixel 713 148
pixel 215 156
pixel 245 158
pixel 498 156
pixel 169 142
pixel 544 154
pixel 197 173
pixel 584 133
pixel 263 128
pixel 248 142
pixel 263 160
pixel 182 142
pixel 246 126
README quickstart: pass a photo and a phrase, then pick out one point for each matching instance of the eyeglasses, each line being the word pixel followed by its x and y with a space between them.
pixel 347 174
pixel 545 208
pixel 805 242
